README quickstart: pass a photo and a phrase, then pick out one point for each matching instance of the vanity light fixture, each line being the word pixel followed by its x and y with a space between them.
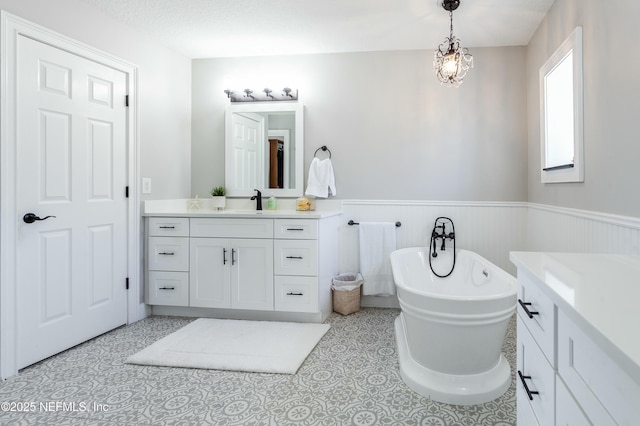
pixel 265 95
pixel 450 61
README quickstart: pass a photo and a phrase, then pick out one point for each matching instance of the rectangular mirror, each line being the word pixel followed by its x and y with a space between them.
pixel 264 148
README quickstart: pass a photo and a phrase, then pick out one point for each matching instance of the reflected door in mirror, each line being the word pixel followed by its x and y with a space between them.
pixel 247 150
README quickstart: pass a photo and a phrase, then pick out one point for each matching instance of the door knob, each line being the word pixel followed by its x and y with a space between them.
pixel 31 217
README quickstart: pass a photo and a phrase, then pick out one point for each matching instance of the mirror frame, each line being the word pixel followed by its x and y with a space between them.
pixel 266 107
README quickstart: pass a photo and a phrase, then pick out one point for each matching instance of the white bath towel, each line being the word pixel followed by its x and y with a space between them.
pixel 377 241
pixel 321 178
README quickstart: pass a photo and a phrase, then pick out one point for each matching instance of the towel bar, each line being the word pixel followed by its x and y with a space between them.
pixel 351 222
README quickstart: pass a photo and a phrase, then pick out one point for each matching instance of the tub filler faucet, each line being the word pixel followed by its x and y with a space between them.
pixel 435 235
pixel 439 232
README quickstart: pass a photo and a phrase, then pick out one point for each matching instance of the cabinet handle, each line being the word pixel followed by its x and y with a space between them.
pixel 224 256
pixel 167 227
pixel 295 229
pixel 530 393
pixel 233 256
pixel 166 288
pixel 294 257
pixel 529 313
pixel 294 294
pixel 167 253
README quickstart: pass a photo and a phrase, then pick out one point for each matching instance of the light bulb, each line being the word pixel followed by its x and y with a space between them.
pixel 450 65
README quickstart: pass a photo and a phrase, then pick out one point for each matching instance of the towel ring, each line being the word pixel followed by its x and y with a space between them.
pixel 324 148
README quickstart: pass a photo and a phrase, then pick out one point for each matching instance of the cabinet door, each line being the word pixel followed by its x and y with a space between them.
pixel 252 274
pixel 568 412
pixel 209 273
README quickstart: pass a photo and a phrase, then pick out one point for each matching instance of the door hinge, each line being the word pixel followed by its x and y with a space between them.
pixel 127 283
pixel 126 100
pixel 126 191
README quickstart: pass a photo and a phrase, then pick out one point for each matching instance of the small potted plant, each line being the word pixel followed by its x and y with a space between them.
pixel 218 194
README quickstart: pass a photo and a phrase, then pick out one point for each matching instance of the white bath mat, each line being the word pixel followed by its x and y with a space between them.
pixel 237 345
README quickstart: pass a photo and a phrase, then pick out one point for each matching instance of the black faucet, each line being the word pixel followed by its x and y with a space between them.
pixel 258 198
pixel 435 235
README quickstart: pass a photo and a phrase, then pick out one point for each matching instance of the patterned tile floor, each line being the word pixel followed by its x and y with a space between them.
pixel 351 378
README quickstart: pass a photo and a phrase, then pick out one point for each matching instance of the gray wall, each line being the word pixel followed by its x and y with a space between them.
pixel 164 86
pixel 611 89
pixel 394 132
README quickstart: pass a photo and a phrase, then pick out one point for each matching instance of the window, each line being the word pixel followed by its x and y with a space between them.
pixel 561 113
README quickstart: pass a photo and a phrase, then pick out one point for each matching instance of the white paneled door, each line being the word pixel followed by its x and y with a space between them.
pixel 71 174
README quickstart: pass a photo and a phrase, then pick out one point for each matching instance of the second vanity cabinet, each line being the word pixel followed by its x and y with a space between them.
pixel 271 266
pixel 578 358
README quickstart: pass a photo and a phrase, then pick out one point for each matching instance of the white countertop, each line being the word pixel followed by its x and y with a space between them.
pixel 599 292
pixel 179 208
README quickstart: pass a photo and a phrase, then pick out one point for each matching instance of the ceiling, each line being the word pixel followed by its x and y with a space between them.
pixel 228 28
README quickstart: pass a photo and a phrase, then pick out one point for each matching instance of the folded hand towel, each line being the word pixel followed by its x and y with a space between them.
pixel 377 241
pixel 321 178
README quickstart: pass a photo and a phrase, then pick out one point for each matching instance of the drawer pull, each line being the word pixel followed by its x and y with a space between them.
pixel 166 288
pixel 530 393
pixel 529 313
pixel 294 257
pixel 295 229
pixel 294 294
pixel 167 227
pixel 167 253
pixel 224 256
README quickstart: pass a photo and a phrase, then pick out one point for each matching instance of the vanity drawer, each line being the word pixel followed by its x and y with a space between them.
pixel 540 377
pixel 300 229
pixel 295 257
pixel 168 288
pixel 594 379
pixel 538 314
pixel 296 294
pixel 169 226
pixel 168 254
pixel 231 228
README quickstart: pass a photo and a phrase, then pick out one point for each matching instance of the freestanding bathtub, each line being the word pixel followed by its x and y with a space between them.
pixel 451 330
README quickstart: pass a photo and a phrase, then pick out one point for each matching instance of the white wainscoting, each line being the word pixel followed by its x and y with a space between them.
pixel 551 228
pixel 491 229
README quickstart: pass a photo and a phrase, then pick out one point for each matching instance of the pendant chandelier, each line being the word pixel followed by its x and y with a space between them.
pixel 450 61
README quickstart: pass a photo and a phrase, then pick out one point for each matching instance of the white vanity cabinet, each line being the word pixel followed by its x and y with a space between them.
pixel 246 266
pixel 234 273
pixel 578 352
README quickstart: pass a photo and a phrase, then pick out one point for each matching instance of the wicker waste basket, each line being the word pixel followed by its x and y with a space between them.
pixel 346 293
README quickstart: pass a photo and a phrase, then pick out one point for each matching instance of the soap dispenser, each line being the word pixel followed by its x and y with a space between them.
pixel 272 203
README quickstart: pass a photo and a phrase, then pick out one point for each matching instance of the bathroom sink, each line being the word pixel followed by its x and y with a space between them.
pixel 248 212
